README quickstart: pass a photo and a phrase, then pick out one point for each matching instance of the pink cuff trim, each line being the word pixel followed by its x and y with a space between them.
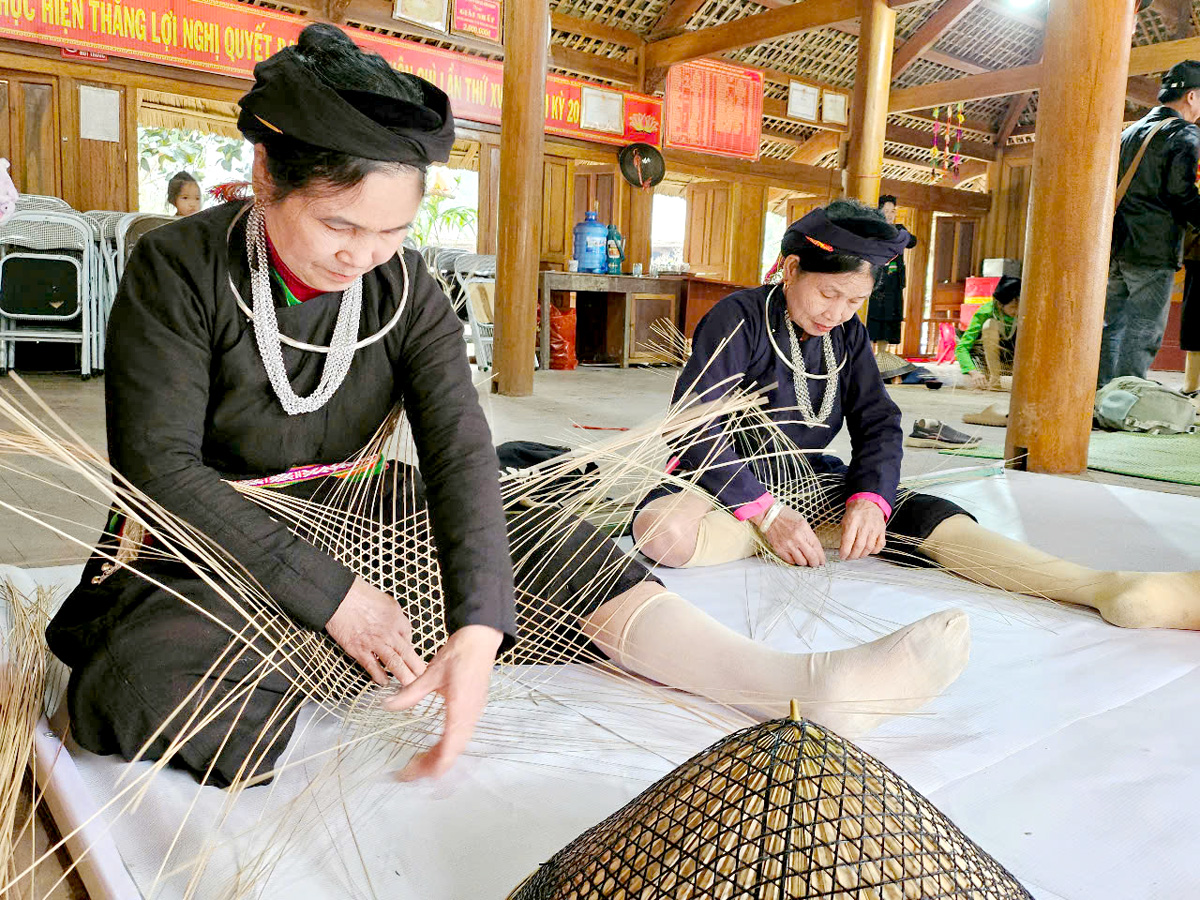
pixel 874 498
pixel 672 464
pixel 753 508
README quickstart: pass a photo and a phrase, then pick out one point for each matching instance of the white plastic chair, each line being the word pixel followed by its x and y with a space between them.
pixel 35 249
pixel 41 203
pixel 476 276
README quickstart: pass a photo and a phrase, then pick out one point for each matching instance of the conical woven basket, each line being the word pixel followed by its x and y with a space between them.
pixel 782 810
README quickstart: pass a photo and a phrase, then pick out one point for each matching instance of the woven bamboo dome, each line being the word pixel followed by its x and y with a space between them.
pixel 779 811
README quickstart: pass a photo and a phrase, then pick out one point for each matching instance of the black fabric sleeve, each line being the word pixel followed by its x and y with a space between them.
pixel 160 339
pixel 458 463
pixel 722 348
pixel 1179 186
pixel 872 418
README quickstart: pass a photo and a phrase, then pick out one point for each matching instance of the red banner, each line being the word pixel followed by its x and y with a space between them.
pixel 634 117
pixel 229 38
pixel 482 18
pixel 714 107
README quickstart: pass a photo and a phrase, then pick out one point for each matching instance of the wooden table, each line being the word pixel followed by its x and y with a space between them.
pixel 605 300
pixel 620 307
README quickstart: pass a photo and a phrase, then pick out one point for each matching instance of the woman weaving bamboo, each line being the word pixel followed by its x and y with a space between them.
pixel 253 340
pixel 801 343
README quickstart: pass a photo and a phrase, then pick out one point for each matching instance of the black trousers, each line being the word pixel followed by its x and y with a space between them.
pixel 147 656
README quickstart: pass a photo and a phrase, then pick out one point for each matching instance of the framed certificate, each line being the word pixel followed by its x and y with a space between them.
pixel 803 101
pixel 601 110
pixel 430 13
pixel 834 107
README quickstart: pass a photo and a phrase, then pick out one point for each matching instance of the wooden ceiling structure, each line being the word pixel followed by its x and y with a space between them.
pixel 985 54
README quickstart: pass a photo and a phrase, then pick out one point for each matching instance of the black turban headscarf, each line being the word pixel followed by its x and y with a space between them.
pixel 290 99
pixel 819 230
pixel 1007 290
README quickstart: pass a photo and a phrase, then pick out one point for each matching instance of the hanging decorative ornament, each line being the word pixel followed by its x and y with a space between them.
pixel 958 137
pixel 934 162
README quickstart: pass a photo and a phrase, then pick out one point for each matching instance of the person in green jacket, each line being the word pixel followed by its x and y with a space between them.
pixel 986 351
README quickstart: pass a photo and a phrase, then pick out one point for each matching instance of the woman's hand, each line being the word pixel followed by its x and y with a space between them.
pixel 460 672
pixel 978 379
pixel 863 528
pixel 792 538
pixel 372 628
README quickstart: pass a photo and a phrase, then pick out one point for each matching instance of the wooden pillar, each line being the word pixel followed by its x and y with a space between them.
pixel 522 125
pixel 637 242
pixel 1066 267
pixel 868 112
pixel 914 293
pixel 747 225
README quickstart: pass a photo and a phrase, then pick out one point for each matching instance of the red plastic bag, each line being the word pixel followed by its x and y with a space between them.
pixel 562 338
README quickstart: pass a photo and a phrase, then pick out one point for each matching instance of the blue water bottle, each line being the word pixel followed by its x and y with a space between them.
pixel 591 244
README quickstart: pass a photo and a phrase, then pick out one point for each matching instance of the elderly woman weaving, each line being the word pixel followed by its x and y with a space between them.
pixel 267 343
pixel 801 343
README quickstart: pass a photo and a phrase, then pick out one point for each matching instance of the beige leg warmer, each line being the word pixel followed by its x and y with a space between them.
pixel 1128 599
pixel 990 338
pixel 659 635
pixel 721 538
pixel 1191 372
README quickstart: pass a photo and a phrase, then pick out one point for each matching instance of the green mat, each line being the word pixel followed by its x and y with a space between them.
pixel 1161 457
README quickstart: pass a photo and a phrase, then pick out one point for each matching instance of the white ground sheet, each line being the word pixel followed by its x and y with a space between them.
pixel 1067 749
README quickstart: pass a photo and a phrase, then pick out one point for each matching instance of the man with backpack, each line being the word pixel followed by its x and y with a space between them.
pixel 1156 198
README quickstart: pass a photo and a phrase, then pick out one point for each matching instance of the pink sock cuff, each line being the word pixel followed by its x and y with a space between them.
pixel 672 464
pixel 754 507
pixel 874 498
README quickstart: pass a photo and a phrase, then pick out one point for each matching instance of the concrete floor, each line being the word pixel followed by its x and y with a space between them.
pixel 595 396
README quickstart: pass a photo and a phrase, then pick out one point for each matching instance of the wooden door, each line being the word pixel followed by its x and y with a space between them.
pixel 595 188
pixel 954 252
pixel 706 238
pixel 102 175
pixel 799 207
pixel 31 104
pixel 558 204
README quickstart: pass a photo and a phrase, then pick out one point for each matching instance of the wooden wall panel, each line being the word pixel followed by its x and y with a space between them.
pixel 5 130
pixel 558 188
pixel 706 238
pixel 489 198
pixel 746 231
pixel 37 164
pixel 1009 215
pixel 101 171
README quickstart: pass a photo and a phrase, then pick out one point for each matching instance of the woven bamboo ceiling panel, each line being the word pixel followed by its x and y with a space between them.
pixel 1154 26
pixel 635 15
pixel 992 39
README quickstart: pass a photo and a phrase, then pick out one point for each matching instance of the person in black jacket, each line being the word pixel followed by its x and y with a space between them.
pixel 885 310
pixel 1147 242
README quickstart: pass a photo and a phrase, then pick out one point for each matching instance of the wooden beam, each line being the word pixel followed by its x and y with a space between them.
pixel 971 87
pixel 596 66
pixel 1142 90
pixel 522 136
pixel 868 109
pixel 914 137
pixel 676 15
pixel 748 31
pixel 1017 105
pixel 818 181
pixel 1066 270
pixel 820 144
pixel 1142 61
pixel 966 66
pixel 930 33
pixel 1160 57
pixel 591 28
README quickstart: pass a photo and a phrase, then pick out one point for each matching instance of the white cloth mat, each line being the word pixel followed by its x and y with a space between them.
pixel 1065 750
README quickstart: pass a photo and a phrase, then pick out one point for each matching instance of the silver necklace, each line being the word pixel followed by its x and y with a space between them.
pixel 266 328
pixel 800 372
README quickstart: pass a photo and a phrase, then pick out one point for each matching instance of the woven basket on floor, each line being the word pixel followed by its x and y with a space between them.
pixel 782 810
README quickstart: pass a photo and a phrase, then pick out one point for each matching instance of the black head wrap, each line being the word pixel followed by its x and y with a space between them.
pixel 1007 290
pixel 817 229
pixel 290 99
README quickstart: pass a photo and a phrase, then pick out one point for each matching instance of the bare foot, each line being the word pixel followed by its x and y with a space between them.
pixel 1152 600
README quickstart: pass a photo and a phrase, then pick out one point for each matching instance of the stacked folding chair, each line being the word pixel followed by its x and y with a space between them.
pixel 129 229
pixel 105 234
pixel 40 203
pixel 476 277
pixel 51 286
